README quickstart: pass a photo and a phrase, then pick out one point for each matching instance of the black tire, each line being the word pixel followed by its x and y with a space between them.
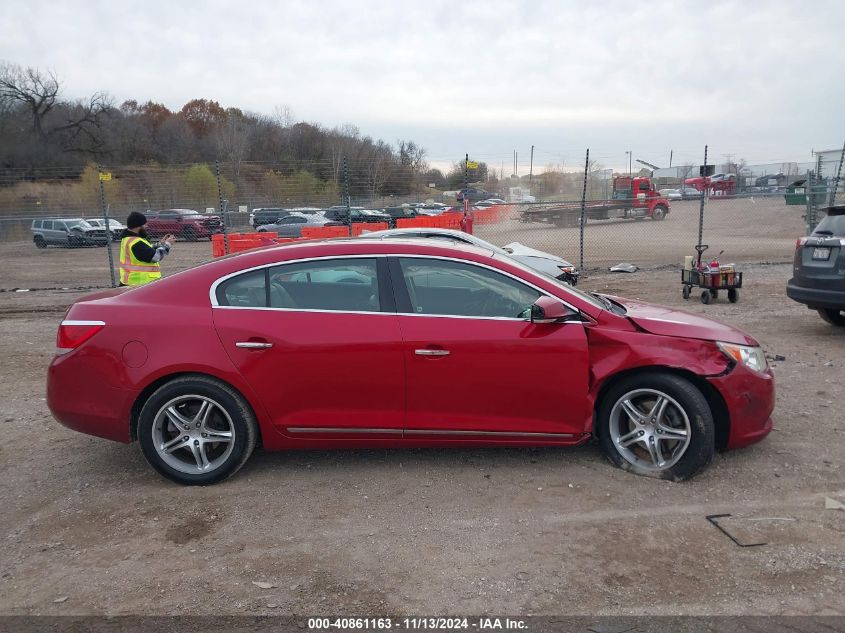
pixel 189 234
pixel 659 212
pixel 706 297
pixel 834 317
pixel 241 421
pixel 686 291
pixel 733 295
pixel 39 241
pixel 701 442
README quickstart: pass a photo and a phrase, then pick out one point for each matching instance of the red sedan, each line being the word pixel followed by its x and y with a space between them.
pixel 353 343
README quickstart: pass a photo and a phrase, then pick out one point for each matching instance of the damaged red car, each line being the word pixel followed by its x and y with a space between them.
pixel 379 343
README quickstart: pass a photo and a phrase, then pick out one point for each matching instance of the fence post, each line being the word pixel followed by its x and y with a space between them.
pixel 222 209
pixel 810 214
pixel 347 198
pixel 104 207
pixel 583 221
pixel 832 200
pixel 703 195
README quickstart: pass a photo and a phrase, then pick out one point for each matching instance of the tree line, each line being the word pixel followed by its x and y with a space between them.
pixel 41 131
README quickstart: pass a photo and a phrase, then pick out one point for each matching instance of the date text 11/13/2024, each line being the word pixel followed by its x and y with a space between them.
pixel 418 624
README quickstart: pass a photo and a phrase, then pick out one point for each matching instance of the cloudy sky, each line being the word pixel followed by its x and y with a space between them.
pixel 756 80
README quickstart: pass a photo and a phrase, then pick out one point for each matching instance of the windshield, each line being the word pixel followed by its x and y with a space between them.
pixel 82 224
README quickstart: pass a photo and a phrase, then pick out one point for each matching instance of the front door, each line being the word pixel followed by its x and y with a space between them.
pixel 476 366
pixel 319 343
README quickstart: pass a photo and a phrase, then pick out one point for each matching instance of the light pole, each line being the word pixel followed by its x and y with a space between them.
pixel 628 154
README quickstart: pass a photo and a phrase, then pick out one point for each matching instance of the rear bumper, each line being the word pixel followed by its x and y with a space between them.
pixel 750 399
pixel 815 297
pixel 81 396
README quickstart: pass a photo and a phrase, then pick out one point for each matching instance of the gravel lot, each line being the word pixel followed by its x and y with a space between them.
pixel 88 528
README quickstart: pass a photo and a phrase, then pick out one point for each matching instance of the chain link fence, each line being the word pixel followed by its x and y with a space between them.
pixel 53 221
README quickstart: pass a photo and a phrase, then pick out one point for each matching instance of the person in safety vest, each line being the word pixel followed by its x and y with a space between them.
pixel 139 260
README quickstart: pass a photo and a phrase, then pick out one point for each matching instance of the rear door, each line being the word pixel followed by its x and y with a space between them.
pixel 319 343
pixel 476 365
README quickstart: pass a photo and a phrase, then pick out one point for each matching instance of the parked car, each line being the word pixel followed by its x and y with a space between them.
pixel 69 232
pixel 266 215
pixel 359 214
pixel 473 195
pixel 432 208
pixel 671 194
pixel 116 227
pixel 688 193
pixel 472 349
pixel 186 224
pixel 401 213
pixel 818 270
pixel 292 225
pixel 546 263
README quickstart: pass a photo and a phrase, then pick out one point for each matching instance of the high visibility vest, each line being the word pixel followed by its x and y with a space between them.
pixel 134 272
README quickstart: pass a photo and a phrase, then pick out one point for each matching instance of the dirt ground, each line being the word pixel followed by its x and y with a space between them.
pixel 89 528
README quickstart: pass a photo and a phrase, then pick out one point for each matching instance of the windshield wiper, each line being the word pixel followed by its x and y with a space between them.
pixel 603 300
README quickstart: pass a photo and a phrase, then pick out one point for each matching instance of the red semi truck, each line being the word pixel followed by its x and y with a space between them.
pixel 633 197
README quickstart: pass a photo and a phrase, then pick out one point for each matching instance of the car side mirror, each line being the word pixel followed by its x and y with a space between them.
pixel 548 310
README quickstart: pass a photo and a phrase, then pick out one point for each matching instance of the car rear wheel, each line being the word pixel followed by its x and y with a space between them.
pixel 39 241
pixel 196 430
pixel 834 317
pixel 658 425
pixel 189 234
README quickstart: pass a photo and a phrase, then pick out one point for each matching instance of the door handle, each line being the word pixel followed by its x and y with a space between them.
pixel 432 352
pixel 253 345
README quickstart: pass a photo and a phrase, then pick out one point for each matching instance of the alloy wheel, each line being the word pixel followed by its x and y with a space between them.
pixel 649 429
pixel 193 434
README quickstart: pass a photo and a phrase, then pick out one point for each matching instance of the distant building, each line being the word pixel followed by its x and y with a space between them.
pixel 829 162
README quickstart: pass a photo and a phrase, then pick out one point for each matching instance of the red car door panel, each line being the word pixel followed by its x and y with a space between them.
pixel 324 369
pixel 475 363
pixel 498 375
pixel 319 352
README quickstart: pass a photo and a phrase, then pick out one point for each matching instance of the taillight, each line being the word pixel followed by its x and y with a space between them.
pixel 72 334
pixel 800 242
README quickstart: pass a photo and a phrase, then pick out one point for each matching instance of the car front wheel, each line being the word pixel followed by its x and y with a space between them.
pixel 657 424
pixel 196 430
pixel 834 317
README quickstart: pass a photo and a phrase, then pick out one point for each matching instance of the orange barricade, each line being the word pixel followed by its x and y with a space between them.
pixel 360 227
pixel 318 232
pixel 240 242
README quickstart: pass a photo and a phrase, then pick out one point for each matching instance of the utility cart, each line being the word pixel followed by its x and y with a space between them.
pixel 711 279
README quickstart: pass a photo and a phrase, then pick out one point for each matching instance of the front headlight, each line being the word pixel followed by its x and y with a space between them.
pixel 751 357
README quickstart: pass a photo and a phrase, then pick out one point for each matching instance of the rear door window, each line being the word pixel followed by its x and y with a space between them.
pixel 344 285
pixel 831 225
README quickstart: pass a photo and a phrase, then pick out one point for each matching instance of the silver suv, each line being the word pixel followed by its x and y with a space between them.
pixel 70 232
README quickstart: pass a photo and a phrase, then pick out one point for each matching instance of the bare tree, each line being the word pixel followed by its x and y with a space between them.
pixel 37 91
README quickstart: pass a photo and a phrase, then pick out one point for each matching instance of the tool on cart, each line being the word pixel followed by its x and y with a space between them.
pixel 712 277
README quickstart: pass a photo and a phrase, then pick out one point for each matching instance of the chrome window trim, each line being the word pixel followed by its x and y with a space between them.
pixel 212 293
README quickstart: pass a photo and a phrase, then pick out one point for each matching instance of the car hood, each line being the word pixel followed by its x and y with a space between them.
pixel 666 321
pixel 525 251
